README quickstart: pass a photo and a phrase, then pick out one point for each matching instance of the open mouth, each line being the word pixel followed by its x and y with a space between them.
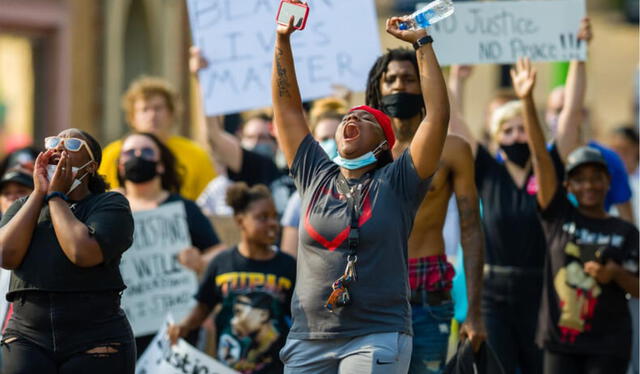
pixel 54 159
pixel 271 234
pixel 350 132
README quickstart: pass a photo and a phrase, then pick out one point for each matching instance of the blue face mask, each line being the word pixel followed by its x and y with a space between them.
pixel 359 162
pixel 572 199
pixel 330 148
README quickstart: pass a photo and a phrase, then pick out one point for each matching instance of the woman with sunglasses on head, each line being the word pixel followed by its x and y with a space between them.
pixel 350 307
pixel 64 243
pixel 592 261
pixel 147 172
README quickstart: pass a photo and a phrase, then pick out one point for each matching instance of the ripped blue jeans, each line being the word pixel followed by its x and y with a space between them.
pixel 431 328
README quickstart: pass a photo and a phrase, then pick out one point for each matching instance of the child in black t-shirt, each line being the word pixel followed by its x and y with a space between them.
pixel 592 261
pixel 252 283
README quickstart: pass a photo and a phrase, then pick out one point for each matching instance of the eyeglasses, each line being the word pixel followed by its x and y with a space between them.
pixel 146 153
pixel 70 144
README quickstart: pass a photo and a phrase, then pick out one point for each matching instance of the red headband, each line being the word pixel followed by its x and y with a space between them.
pixel 382 119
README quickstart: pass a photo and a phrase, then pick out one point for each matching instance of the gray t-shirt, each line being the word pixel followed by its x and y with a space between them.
pixel 380 296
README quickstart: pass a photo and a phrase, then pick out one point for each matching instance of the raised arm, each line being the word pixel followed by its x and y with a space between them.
pixel 225 147
pixel 458 75
pixel 523 76
pixel 428 142
pixel 288 114
pixel 457 153
pixel 458 126
pixel 571 117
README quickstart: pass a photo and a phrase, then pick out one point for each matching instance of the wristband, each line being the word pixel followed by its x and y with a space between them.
pixel 56 194
pixel 422 41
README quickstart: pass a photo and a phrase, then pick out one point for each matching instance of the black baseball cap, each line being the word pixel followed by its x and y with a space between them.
pixel 583 156
pixel 17 176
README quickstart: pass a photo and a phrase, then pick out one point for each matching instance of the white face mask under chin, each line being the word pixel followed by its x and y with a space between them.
pixel 51 169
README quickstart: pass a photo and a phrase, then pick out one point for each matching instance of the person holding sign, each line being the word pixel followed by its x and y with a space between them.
pixel 350 307
pixel 592 263
pixel 64 243
pixel 147 171
pixel 252 283
pixel 394 87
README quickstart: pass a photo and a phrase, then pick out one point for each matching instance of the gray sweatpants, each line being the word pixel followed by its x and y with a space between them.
pixel 374 353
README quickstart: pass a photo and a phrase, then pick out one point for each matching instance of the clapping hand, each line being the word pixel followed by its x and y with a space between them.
pixel 40 178
pixel 63 177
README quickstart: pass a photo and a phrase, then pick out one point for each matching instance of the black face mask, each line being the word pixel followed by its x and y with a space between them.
pixel 402 105
pixel 518 153
pixel 139 170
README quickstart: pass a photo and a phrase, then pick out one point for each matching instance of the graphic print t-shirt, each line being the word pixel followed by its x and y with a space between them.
pixel 578 314
pixel 254 320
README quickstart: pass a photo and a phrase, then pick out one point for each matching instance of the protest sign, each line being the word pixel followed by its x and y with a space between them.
pixel 156 282
pixel 498 32
pixel 163 358
pixel 338 46
pixel 5 278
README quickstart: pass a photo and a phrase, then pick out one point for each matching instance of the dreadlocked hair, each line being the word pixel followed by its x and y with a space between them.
pixel 373 96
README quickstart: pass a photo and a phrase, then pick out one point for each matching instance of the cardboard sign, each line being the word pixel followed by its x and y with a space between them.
pixel 338 46
pixel 5 279
pixel 498 32
pixel 163 358
pixel 156 282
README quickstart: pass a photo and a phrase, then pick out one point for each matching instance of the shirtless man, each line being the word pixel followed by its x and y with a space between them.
pixel 394 87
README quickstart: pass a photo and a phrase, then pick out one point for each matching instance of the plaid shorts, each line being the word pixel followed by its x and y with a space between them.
pixel 431 273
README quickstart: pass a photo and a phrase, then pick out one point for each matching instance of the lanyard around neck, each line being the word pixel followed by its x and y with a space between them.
pixel 354 196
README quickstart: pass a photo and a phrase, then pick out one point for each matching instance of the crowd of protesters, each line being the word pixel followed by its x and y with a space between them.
pixel 332 258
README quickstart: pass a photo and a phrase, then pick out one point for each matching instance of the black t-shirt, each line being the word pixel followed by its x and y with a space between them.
pixel 45 267
pixel 202 233
pixel 579 315
pixel 254 320
pixel 255 169
pixel 513 234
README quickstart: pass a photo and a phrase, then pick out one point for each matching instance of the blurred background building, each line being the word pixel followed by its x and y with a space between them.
pixel 65 63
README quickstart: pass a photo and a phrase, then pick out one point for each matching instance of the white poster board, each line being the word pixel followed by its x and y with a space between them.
pixel 157 283
pixel 5 279
pixel 338 46
pixel 163 358
pixel 498 32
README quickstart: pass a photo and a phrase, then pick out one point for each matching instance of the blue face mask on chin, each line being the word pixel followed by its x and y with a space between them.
pixel 359 162
pixel 330 148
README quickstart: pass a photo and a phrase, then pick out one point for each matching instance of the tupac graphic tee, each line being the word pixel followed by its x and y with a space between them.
pixel 254 317
pixel 578 314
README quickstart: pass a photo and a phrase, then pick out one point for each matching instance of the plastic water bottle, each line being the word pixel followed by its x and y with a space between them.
pixel 428 15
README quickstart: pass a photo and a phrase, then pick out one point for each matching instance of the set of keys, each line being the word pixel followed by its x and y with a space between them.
pixel 340 295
